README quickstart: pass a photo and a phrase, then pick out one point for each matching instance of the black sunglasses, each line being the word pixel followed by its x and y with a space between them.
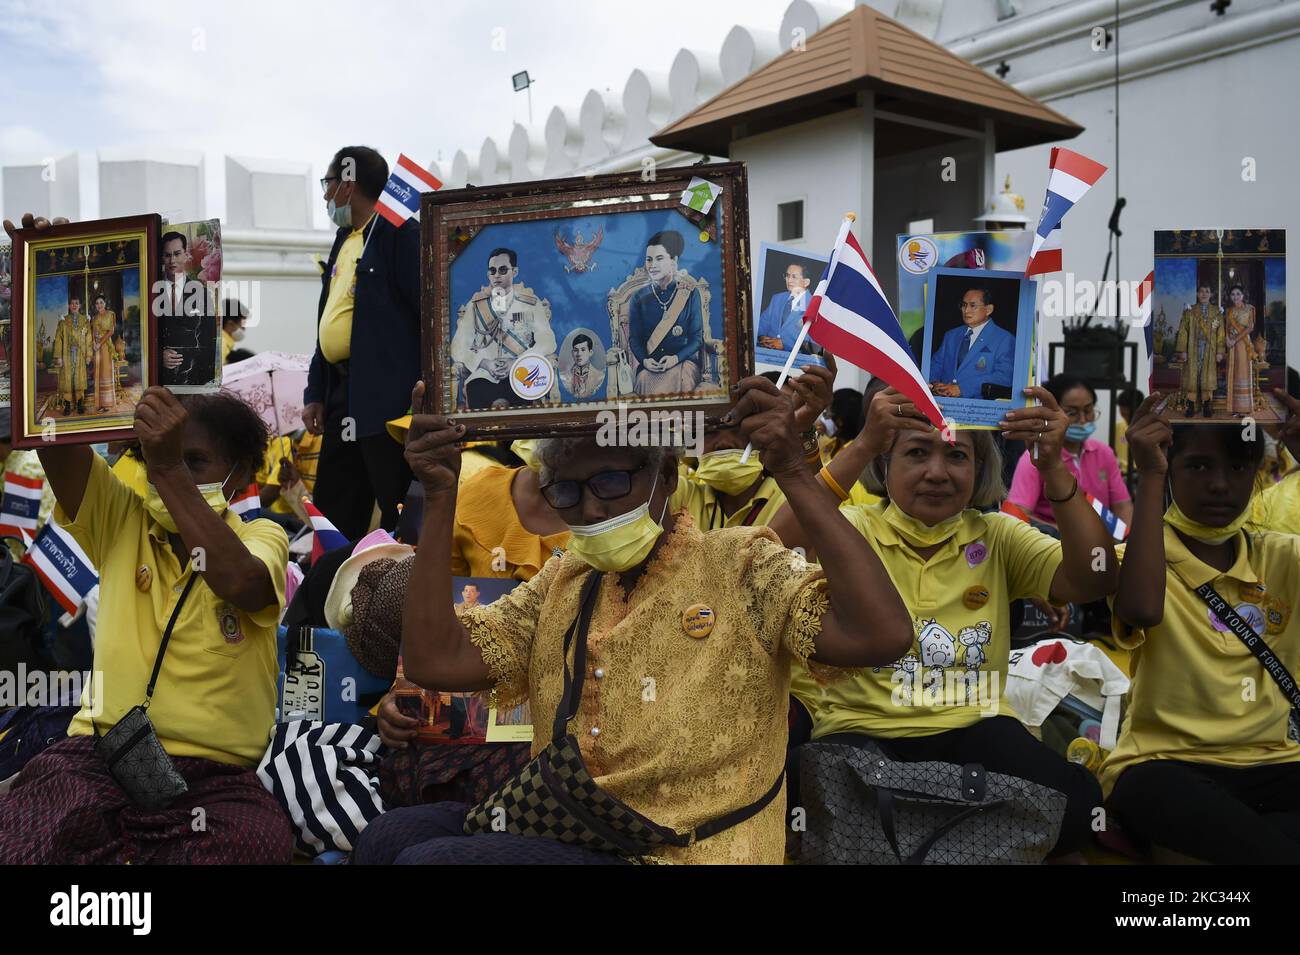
pixel 607 486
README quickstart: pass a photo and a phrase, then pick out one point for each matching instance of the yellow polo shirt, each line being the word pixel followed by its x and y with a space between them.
pixel 1277 507
pixel 1198 693
pixel 336 320
pixel 960 600
pixel 705 507
pixel 215 696
pixel 132 472
pixel 227 345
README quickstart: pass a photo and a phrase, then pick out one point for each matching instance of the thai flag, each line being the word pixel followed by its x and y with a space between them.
pixel 400 199
pixel 325 536
pixel 1118 529
pixel 1048 258
pixel 849 316
pixel 1145 291
pixel 1070 175
pixel 21 504
pixel 61 564
pixel 248 503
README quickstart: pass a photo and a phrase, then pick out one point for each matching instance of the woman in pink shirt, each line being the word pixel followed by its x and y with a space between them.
pixel 1092 462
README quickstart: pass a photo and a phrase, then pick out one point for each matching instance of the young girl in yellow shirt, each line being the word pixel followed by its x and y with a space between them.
pixel 1205 764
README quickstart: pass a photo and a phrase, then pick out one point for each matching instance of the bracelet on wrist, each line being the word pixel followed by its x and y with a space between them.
pixel 1074 489
pixel 831 483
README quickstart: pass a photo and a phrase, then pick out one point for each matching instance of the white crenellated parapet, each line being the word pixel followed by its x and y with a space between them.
pixel 268 193
pixel 601 123
pixel 490 171
pixel 745 50
pixel 693 78
pixel 463 171
pixel 803 18
pixel 647 107
pixel 563 139
pixel 44 187
pixel 135 181
pixel 527 153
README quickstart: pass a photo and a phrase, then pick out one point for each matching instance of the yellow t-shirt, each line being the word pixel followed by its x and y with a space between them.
pixel 336 320
pixel 227 345
pixel 706 510
pixel 132 472
pixel 960 602
pixel 1277 507
pixel 215 696
pixel 1198 694
pixel 1121 445
pixel 269 473
pixel 487 539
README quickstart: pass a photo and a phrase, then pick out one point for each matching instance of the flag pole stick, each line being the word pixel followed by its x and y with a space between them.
pixel 785 373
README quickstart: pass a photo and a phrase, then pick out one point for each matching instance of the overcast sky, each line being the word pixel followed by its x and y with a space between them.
pixel 287 79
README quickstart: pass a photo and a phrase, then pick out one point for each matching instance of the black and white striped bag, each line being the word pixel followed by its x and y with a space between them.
pixel 324 776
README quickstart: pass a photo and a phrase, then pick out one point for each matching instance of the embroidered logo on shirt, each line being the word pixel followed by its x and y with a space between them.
pixel 1252 615
pixel 228 619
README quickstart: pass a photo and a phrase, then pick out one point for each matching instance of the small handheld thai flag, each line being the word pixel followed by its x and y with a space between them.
pixel 1118 529
pixel 21 504
pixel 1145 291
pixel 1048 258
pixel 849 316
pixel 400 199
pixel 1069 177
pixel 325 536
pixel 248 503
pixel 61 564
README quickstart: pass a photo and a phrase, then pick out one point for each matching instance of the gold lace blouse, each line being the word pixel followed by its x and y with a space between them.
pixel 682 729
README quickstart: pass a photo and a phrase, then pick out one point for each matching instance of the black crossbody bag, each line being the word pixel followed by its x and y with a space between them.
pixel 135 756
pixel 555 797
pixel 1256 645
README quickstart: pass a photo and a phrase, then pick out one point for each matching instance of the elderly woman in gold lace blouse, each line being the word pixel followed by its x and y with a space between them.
pixel 682 711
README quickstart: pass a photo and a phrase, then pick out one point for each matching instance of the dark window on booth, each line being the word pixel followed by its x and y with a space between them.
pixel 789 220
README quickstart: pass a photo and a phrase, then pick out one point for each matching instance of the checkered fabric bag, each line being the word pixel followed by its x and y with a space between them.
pixel 865 808
pixel 555 797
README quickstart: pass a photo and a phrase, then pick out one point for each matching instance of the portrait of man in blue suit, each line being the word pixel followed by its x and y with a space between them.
pixel 778 325
pixel 975 353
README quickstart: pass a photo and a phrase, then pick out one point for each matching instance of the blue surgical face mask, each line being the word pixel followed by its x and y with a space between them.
pixel 1080 432
pixel 341 216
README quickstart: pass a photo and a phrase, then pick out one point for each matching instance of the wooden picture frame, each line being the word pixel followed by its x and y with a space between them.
pixel 574 334
pixel 64 372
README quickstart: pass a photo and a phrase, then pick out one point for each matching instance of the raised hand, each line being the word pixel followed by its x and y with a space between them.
pixel 431 447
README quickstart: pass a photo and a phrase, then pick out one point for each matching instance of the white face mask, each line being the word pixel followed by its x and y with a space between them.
pixel 237 334
pixel 341 216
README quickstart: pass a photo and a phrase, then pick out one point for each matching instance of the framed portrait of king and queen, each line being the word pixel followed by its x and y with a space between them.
pixel 547 303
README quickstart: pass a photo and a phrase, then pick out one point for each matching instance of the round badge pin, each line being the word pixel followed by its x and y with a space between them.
pixel 697 621
pixel 975 597
pixel 1253 593
pixel 704 236
pixel 531 376
pixel 143 578
pixel 976 553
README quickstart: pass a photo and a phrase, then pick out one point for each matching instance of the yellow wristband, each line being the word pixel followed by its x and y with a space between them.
pixel 831 483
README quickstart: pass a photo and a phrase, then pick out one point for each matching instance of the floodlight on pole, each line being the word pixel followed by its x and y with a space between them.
pixel 522 81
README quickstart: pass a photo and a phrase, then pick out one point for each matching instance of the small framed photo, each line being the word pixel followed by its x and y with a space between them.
pixel 6 313
pixel 187 307
pixel 979 337
pixel 84 342
pixel 786 280
pixel 549 303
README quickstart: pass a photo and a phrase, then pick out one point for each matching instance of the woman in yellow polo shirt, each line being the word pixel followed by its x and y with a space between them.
pixel 957 571
pixel 177 553
pixel 1205 764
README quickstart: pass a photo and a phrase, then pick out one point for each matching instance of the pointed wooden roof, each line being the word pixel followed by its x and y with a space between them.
pixel 866 50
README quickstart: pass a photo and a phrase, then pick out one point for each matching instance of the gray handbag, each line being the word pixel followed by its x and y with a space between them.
pixel 864 808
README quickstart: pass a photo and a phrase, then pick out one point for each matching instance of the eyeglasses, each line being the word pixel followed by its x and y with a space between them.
pixel 501 270
pixel 325 183
pixel 607 486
